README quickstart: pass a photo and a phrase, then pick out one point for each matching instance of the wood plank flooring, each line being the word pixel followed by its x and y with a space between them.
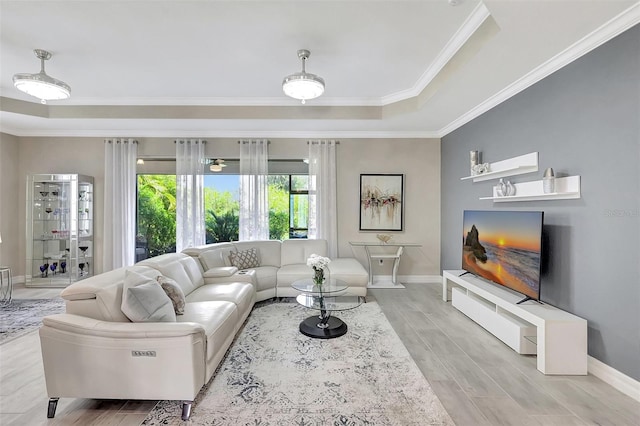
pixel 479 380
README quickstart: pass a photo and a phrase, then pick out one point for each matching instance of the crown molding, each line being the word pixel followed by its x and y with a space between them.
pixel 601 35
pixel 175 133
pixel 468 28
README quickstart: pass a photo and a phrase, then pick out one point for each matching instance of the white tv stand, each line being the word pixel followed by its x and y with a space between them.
pixel 558 338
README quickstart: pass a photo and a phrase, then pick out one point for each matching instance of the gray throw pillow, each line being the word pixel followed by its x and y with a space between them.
pixel 245 259
pixel 144 300
pixel 175 293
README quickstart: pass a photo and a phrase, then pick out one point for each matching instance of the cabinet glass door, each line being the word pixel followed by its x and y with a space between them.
pixel 59 229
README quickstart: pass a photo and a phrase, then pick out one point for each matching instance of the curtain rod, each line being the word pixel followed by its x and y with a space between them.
pixel 190 140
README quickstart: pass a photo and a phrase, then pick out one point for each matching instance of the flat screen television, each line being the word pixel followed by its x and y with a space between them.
pixel 504 247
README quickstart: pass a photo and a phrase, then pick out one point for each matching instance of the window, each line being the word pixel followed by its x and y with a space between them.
pixel 156 219
pixel 298 206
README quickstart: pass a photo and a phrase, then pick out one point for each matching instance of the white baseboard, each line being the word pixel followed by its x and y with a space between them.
pixel 18 279
pixel 421 279
pixel 625 384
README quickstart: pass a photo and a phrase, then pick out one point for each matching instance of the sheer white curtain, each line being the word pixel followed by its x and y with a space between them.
pixel 254 204
pixel 190 229
pixel 323 213
pixel 119 203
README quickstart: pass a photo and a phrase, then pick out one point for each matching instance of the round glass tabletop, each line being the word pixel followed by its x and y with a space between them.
pixel 306 285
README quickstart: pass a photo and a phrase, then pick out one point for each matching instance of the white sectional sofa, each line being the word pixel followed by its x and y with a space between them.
pixel 95 351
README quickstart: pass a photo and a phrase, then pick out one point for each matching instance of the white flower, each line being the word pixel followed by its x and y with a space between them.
pixel 318 262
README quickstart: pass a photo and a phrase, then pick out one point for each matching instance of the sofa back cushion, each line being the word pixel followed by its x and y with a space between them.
pixel 100 296
pixel 298 251
pixel 183 269
pixel 216 257
pixel 268 250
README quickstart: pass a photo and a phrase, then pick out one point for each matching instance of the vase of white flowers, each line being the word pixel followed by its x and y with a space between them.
pixel 319 265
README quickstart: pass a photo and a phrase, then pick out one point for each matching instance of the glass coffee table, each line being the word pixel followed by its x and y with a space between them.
pixel 328 298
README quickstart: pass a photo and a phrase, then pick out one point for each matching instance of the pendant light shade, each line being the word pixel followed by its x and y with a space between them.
pixel 41 85
pixel 303 85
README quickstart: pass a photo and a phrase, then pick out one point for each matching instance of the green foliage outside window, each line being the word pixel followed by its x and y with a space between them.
pixel 156 214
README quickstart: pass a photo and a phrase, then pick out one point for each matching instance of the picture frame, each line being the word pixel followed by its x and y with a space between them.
pixel 381 202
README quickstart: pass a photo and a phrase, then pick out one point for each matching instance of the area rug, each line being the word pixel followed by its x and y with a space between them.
pixel 273 375
pixel 22 316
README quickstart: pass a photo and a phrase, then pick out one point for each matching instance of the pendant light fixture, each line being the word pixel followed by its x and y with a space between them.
pixel 41 85
pixel 302 85
pixel 217 165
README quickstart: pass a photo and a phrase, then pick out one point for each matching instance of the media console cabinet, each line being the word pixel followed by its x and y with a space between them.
pixel 558 338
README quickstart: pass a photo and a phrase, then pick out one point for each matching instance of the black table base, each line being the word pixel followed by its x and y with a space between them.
pixel 336 328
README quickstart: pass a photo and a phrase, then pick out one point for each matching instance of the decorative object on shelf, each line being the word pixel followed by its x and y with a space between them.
pixel 384 238
pixel 474 158
pixel 511 189
pixel 381 202
pixel 41 85
pixel 479 169
pixel 549 181
pixel 303 85
pixel 501 188
pixel 319 265
pixel 63 267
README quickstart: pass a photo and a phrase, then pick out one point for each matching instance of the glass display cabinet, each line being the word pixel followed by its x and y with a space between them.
pixel 59 229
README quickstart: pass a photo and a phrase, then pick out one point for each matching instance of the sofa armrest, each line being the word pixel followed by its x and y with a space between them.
pixel 121 330
pixel 220 271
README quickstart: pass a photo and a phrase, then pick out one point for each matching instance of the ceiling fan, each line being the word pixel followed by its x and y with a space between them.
pixel 217 165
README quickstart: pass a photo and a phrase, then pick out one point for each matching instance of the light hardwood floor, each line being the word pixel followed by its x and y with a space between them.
pixel 479 380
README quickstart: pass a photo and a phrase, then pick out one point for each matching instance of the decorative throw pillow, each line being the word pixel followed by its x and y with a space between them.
pixel 245 259
pixel 143 300
pixel 175 293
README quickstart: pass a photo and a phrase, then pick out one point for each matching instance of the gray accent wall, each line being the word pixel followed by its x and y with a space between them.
pixel 582 120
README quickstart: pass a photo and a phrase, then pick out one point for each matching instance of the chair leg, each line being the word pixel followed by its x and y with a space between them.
pixel 51 409
pixel 186 410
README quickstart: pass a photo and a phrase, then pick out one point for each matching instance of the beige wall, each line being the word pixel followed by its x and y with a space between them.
pixel 417 159
pixel 62 155
pixel 12 233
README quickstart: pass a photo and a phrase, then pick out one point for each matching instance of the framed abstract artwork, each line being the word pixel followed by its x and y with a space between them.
pixel 381 202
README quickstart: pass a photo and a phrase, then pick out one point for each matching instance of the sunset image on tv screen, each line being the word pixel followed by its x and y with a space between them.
pixel 504 247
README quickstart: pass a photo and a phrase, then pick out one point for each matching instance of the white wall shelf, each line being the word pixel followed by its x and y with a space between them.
pixel 522 164
pixel 559 340
pixel 566 188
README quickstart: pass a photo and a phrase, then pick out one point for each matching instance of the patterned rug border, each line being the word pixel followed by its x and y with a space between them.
pixel 23 316
pixel 237 394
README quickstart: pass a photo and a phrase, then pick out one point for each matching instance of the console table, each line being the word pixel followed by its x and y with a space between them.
pixel 6 285
pixel 558 338
pixel 399 249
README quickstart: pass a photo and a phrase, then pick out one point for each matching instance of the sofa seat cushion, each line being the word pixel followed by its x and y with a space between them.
pixel 350 271
pixel 290 273
pixel 218 318
pixel 241 294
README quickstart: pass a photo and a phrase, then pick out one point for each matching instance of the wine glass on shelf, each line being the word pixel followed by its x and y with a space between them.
pixel 84 263
pixel 48 210
pixel 44 194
